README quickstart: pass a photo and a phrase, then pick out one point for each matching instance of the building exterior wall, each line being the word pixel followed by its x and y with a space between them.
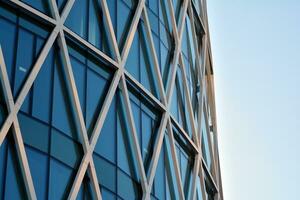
pixel 107 99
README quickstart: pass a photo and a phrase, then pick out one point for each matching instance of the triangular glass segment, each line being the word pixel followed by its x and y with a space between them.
pixel 3 106
pixel 14 184
pixel 147 121
pixel 177 6
pixel 8 35
pixel 29 41
pixel 105 153
pixel 205 143
pixel 61 5
pixel 3 153
pixel 185 163
pixel 189 58
pixel 86 19
pixel 140 63
pixel 197 4
pixel 41 5
pixel 166 41
pixel 38 164
pixel 198 189
pixel 179 105
pixel 63 164
pixel 63 115
pixel 114 159
pixel 92 79
pixel 164 185
pixel 86 190
pixel 124 12
pixel 107 141
pixel 127 174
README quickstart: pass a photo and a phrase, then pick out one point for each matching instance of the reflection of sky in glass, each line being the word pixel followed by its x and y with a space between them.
pixel 256 54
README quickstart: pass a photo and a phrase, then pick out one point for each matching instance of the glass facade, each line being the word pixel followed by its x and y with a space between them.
pixel 107 100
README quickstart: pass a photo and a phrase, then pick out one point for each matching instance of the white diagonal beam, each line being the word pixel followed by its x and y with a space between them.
pixel 16 131
pixel 133 132
pixel 70 82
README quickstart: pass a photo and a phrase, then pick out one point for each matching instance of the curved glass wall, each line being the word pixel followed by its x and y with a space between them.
pixel 108 105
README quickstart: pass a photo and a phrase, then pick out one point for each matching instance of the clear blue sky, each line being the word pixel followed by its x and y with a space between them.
pixel 256 54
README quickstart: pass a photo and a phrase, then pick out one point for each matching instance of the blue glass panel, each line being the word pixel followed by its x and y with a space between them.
pixel 159 181
pixel 3 150
pixel 137 120
pixel 185 42
pixel 40 5
pixel 132 62
pixel 174 104
pixel 112 7
pixel 39 171
pixel 24 61
pixel 153 4
pixel 95 93
pixel 72 151
pixel 165 63
pixel 177 7
pixel 7 42
pixel 125 154
pixel 127 188
pixel 171 190
pixel 77 19
pixel 106 173
pixel 3 108
pixel 106 145
pixel 107 195
pixel 33 27
pixel 59 181
pixel 42 89
pixel 95 27
pixel 86 191
pixel 146 73
pixel 147 130
pixel 154 23
pixel 123 21
pixel 198 189
pixel 34 133
pixel 80 80
pixel 61 4
pixel 14 185
pixel 61 114
pixel 205 142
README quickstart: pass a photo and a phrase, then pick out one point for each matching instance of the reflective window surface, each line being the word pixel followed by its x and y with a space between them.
pixel 110 103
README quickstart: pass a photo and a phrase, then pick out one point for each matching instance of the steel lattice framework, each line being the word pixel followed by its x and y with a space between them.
pixel 119 80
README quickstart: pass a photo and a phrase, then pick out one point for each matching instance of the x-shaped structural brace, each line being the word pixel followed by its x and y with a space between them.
pixel 119 77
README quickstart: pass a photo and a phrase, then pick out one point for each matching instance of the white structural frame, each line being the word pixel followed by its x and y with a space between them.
pixel 120 78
